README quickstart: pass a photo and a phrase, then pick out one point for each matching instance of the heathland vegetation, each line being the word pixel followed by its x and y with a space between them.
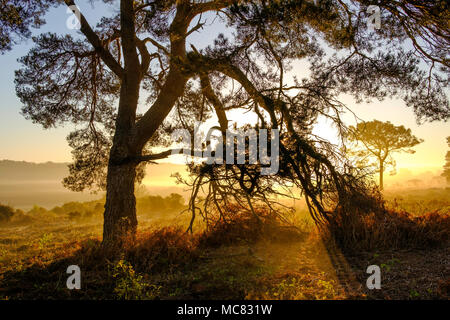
pixel 240 257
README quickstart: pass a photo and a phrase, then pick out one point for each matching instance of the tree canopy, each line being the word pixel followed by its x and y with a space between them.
pixel 17 17
pixel 141 55
pixel 379 140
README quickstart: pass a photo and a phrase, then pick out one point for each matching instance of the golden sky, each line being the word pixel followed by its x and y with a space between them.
pixel 23 140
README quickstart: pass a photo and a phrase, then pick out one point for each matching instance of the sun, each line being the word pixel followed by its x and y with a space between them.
pixel 326 129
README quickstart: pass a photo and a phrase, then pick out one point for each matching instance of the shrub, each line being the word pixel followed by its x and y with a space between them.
pixel 130 285
pixel 45 240
pixel 155 250
pixel 21 218
pixel 241 226
pixel 365 224
pixel 157 204
pixel 37 211
pixel 6 213
pixel 74 215
pixel 88 214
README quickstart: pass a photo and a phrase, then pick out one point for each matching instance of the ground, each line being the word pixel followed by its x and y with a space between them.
pixel 34 258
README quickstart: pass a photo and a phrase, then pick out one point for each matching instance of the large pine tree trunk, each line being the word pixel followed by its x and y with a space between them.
pixel 129 139
pixel 120 209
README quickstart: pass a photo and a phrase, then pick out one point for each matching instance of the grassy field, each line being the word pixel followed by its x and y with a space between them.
pixel 36 247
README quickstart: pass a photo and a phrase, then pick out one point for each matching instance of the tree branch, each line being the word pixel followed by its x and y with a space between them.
pixel 214 100
pixel 95 41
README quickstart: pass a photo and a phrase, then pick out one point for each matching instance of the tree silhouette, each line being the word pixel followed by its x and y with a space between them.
pixel 380 140
pixel 142 55
pixel 446 173
pixel 17 17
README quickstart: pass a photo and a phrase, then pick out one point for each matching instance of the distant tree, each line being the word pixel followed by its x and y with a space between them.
pixel 376 139
pixel 159 204
pixel 446 173
pixel 415 182
pixel 6 213
pixel 74 215
pixel 174 201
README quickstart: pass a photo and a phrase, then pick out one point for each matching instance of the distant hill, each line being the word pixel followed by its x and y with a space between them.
pixel 25 171
pixel 24 184
pixel 29 171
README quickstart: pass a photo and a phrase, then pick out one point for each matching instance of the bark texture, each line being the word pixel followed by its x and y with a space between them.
pixel 120 219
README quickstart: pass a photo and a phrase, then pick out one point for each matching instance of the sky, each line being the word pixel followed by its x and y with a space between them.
pixel 23 140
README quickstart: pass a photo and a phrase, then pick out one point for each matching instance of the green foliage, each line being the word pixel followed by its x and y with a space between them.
pixel 389 264
pixel 132 286
pixel 45 240
pixel 414 294
pixel 37 211
pixel 75 209
pixel 85 211
pixel 157 204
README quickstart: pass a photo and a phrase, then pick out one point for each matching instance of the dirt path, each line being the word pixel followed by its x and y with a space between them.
pixel 309 270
